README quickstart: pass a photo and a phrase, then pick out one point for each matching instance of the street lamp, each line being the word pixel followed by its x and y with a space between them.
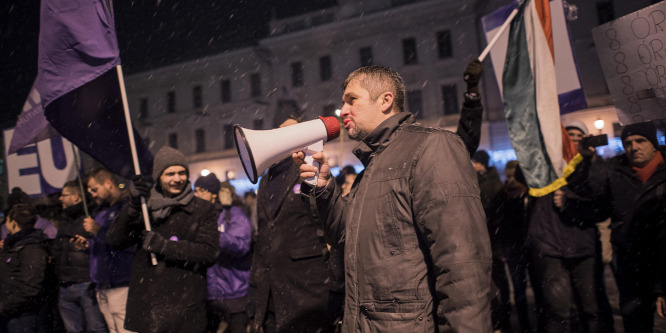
pixel 599 124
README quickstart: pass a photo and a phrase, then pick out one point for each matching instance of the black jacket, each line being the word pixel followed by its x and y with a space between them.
pixel 71 264
pixel 562 233
pixel 171 296
pixel 23 263
pixel 289 261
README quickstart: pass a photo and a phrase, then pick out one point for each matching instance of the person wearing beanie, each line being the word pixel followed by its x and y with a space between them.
pixel 171 296
pixel 629 188
pixel 229 277
pixel 207 188
pixel 576 130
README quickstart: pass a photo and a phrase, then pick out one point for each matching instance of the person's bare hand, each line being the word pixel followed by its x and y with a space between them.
pixel 80 242
pixel 661 307
pixel 309 171
pixel 559 199
pixel 90 225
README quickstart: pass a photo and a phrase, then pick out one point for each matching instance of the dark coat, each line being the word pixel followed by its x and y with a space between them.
pixel 23 263
pixel 569 233
pixel 417 253
pixel 171 296
pixel 71 264
pixel 637 210
pixel 289 261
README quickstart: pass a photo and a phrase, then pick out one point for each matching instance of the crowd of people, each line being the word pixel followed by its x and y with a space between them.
pixel 426 238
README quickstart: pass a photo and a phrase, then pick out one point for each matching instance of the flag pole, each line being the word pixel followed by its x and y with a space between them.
pixel 78 176
pixel 135 156
pixel 498 34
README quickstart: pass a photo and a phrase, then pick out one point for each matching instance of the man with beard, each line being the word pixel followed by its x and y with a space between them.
pixel 416 246
pixel 110 266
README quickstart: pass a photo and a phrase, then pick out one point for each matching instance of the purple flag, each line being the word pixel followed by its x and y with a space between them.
pixel 78 82
pixel 32 125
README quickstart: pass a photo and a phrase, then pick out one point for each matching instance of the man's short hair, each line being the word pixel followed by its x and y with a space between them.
pixel 101 175
pixel 378 80
pixel 24 215
pixel 73 185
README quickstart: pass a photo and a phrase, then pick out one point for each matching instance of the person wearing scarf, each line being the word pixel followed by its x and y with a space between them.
pixel 169 296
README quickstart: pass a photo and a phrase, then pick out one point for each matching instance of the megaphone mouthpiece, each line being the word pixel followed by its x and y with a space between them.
pixel 332 127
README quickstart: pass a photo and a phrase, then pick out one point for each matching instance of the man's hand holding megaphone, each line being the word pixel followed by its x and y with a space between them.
pixel 309 171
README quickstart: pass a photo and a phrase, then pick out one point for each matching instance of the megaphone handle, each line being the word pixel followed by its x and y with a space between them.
pixel 309 151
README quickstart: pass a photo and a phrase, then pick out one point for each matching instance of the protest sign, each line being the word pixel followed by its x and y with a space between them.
pixel 632 53
pixel 40 168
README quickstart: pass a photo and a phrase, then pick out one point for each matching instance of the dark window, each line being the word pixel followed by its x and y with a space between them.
pixel 414 103
pixel 297 74
pixel 605 11
pixel 409 51
pixel 366 56
pixel 225 91
pixel 329 110
pixel 173 140
pixel 258 124
pixel 197 96
pixel 143 108
pixel 450 99
pixel 200 137
pixel 444 44
pixel 325 68
pixel 255 82
pixel 171 102
pixel 229 136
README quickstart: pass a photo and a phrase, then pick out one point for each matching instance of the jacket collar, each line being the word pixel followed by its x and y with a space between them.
pixel 380 137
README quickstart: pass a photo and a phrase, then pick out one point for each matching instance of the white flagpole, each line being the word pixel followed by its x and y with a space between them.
pixel 135 157
pixel 498 34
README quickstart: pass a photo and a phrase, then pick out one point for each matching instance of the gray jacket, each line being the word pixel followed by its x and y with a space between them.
pixel 417 252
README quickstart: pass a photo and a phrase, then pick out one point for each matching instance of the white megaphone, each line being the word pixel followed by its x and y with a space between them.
pixel 259 149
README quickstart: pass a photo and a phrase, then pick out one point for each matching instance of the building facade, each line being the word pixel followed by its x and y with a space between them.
pixel 193 106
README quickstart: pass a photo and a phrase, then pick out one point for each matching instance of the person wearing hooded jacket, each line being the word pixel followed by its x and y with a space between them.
pixel 630 188
pixel 23 261
pixel 169 296
pixel 228 278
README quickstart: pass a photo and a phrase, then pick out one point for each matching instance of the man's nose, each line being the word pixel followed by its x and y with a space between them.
pixel 344 111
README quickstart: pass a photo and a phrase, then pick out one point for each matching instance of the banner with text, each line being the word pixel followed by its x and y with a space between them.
pixel 632 53
pixel 40 168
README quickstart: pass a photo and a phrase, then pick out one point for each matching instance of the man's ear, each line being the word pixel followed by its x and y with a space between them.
pixel 386 102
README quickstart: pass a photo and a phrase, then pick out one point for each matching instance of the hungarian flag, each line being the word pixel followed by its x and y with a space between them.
pixel 77 85
pixel 544 150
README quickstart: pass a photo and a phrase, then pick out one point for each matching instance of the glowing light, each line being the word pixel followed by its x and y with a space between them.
pixel 599 124
pixel 205 172
pixel 337 112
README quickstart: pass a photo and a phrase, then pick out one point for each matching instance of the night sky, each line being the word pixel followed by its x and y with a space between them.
pixel 150 34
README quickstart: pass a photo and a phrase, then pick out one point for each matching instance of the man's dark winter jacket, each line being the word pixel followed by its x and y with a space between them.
pixel 23 261
pixel 289 261
pixel 171 296
pixel 71 264
pixel 417 253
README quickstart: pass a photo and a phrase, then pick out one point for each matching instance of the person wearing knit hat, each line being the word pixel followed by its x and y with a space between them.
pixel 647 130
pixel 576 130
pixel 207 188
pixel 184 240
pixel 629 189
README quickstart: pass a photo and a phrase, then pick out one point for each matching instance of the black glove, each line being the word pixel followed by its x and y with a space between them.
pixel 137 189
pixel 472 75
pixel 154 242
